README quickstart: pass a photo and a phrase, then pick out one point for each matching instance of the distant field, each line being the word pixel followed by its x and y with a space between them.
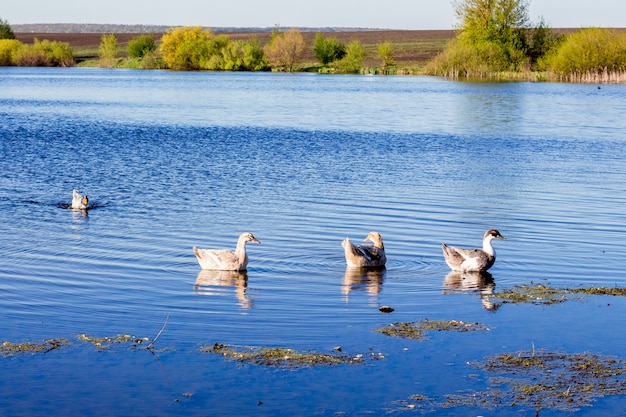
pixel 412 47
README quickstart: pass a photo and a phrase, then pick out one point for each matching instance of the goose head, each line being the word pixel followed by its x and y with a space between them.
pixel 375 238
pixel 493 234
pixel 248 237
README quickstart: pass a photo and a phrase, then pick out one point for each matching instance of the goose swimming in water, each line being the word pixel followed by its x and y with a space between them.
pixel 79 202
pixel 477 260
pixel 225 259
pixel 365 256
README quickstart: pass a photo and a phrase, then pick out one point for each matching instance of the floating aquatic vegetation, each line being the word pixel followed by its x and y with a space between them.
pixel 416 402
pixel 599 291
pixel 282 357
pixel 11 349
pixel 546 380
pixel 542 294
pixel 106 342
pixel 416 330
pixel 534 294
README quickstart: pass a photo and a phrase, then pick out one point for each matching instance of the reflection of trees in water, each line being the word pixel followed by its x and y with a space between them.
pixel 356 279
pixel 208 283
pixel 481 282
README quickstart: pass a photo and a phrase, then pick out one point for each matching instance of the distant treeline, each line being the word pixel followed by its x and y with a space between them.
pixel 113 28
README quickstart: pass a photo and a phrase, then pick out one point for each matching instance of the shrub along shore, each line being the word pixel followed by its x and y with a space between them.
pixel 590 55
pixel 413 49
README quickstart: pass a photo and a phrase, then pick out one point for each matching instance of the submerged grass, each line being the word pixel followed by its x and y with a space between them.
pixel 281 357
pixel 417 330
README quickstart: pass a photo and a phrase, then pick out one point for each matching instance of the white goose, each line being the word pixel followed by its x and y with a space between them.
pixel 79 202
pixel 225 259
pixel 365 256
pixel 476 260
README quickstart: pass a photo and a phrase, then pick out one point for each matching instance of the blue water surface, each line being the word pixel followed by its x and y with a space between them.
pixel 175 159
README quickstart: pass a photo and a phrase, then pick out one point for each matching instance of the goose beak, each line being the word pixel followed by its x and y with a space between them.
pixel 255 241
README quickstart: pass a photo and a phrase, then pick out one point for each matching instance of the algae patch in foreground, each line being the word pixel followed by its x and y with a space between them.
pixel 282 357
pixel 546 380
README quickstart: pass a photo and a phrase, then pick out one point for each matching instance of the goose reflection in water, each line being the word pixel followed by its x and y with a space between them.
pixel 481 282
pixel 363 278
pixel 79 216
pixel 211 282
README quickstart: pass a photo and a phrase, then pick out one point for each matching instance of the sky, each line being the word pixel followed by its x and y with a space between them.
pixel 387 14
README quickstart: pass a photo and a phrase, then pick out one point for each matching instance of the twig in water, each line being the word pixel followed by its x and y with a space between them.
pixel 158 334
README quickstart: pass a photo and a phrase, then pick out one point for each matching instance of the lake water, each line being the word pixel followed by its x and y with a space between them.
pixel 172 160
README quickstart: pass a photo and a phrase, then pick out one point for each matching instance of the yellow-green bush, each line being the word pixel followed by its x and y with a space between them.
pixel 482 59
pixel 194 48
pixel 588 54
pixel 7 49
pixel 186 48
pixel 43 54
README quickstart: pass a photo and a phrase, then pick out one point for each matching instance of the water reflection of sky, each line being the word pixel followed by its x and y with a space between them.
pixel 309 101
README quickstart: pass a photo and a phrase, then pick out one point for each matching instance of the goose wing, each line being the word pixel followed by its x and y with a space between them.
pixel 363 255
pixel 465 259
pixel 216 259
pixel 371 253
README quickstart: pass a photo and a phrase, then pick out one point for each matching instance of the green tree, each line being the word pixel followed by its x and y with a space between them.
pixel 6 31
pixel 541 41
pixel 502 23
pixel 493 36
pixel 140 46
pixel 353 61
pixel 499 21
pixel 285 49
pixel 253 57
pixel 385 53
pixel 187 48
pixel 328 50
pixel 108 50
